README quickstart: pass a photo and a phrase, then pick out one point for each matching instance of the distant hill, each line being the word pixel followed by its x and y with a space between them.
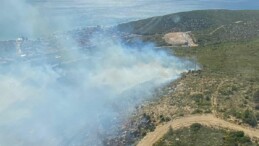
pixel 205 24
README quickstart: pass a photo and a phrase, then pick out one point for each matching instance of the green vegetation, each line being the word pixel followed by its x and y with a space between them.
pixel 256 99
pixel 198 135
pixel 196 127
pixel 249 118
pixel 236 59
pixel 236 138
pixel 227 84
pixel 188 21
pixel 208 26
pixel 234 66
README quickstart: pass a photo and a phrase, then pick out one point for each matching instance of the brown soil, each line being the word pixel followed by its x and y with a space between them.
pixel 208 120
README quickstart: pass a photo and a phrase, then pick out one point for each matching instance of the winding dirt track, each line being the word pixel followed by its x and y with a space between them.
pixel 208 120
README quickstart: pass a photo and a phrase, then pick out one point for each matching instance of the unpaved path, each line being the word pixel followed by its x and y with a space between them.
pixel 211 33
pixel 214 102
pixel 208 120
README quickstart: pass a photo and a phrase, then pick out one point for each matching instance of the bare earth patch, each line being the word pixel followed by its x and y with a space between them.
pixel 180 39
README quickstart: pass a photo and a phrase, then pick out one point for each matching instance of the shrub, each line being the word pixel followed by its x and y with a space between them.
pixel 237 134
pixel 257 116
pixel 249 118
pixel 257 106
pixel 197 97
pixel 170 131
pixel 197 111
pixel 226 91
pixel 245 139
pixel 196 126
pixel 256 96
pixel 236 138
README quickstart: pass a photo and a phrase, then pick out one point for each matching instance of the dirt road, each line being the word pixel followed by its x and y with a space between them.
pixel 208 120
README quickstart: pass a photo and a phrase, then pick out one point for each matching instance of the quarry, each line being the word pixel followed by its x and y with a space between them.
pixel 183 39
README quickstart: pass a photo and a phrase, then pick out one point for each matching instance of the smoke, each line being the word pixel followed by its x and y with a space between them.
pixel 83 97
pixel 89 93
pixel 22 18
pixel 86 96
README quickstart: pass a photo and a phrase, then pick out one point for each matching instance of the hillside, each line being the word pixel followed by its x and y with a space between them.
pixel 208 26
pixel 227 84
pixel 188 21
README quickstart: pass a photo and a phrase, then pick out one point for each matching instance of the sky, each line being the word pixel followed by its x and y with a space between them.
pixel 34 18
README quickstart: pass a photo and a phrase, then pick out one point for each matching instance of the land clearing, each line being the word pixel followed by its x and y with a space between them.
pixel 180 39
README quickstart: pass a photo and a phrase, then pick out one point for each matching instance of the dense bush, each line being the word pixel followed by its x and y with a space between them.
pixel 249 118
pixel 195 127
pixel 256 96
pixel 227 90
pixel 236 138
pixel 197 97
pixel 257 106
pixel 198 135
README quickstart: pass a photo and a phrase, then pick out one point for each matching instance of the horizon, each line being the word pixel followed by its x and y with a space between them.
pixel 39 18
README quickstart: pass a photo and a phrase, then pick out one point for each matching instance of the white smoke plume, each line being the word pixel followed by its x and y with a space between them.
pixel 72 104
pixel 82 98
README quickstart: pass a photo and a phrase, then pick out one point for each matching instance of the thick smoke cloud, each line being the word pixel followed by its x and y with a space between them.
pixel 22 18
pixel 83 97
pixel 76 102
